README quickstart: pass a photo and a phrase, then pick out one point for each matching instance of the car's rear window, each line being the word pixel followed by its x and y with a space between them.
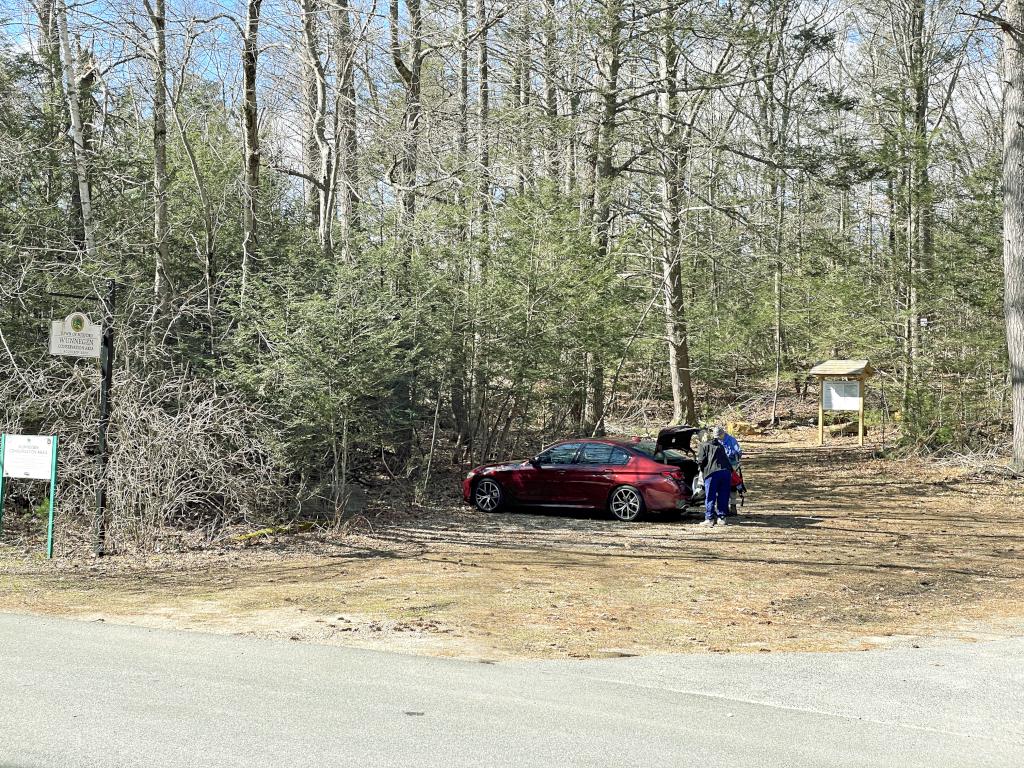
pixel 647 448
pixel 602 453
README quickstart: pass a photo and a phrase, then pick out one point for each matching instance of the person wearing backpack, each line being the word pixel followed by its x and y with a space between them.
pixel 735 454
pixel 716 467
pixel 732 450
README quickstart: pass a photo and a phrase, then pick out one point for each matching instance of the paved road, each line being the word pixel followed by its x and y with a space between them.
pixel 92 694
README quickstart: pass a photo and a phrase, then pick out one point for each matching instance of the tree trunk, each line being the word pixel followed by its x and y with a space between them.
pixel 161 227
pixel 1013 212
pixel 461 279
pixel 311 106
pixel 408 65
pixel 346 185
pixel 608 63
pixel 53 105
pixel 674 300
pixel 250 121
pixel 320 152
pixel 74 101
pixel 779 193
pixel 603 171
pixel 919 215
pixel 483 153
pixel 551 144
pixel 523 75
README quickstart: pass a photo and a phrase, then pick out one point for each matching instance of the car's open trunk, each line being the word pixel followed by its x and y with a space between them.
pixel 673 441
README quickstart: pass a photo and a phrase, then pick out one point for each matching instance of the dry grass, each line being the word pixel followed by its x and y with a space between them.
pixel 837 550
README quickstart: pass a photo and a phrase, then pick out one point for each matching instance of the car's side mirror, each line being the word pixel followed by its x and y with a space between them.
pixel 535 462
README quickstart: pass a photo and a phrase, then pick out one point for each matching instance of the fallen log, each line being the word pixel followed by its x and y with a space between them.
pixel 844 429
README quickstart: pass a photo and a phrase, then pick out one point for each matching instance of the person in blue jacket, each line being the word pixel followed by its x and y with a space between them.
pixel 735 454
pixel 716 467
pixel 732 449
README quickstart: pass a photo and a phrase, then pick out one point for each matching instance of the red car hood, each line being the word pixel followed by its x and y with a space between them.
pixel 501 465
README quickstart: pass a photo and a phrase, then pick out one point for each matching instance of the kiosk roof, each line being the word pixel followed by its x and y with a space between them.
pixel 850 368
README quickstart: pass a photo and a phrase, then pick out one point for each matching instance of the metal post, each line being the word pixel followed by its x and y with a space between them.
pixel 3 446
pixel 821 411
pixel 53 491
pixel 107 371
pixel 860 415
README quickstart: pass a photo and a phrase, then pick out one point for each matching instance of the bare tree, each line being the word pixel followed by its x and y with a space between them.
pixel 675 140
pixel 1012 26
pixel 207 251
pixel 408 63
pixel 162 287
pixel 550 92
pixel 346 163
pixel 483 110
pixel 74 101
pixel 319 149
pixel 251 135
pixel 602 173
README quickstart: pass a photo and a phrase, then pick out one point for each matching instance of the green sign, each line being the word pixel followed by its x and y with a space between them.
pixel 31 457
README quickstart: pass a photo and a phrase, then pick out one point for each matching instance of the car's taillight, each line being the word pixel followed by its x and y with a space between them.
pixel 673 475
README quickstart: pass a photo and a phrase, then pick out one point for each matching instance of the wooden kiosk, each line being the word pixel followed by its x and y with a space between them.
pixel 841 388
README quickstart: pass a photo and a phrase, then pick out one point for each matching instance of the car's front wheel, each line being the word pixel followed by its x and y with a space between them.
pixel 626 503
pixel 488 496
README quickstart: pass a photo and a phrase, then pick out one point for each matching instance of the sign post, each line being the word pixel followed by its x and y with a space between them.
pixel 53 495
pixel 3 449
pixel 32 457
pixel 107 372
pixel 76 336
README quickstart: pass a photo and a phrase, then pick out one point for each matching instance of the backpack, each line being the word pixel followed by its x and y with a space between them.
pixel 732 449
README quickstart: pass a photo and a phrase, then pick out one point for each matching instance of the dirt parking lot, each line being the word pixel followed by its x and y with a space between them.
pixel 836 550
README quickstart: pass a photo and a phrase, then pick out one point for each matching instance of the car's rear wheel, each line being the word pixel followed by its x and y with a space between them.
pixel 626 503
pixel 487 495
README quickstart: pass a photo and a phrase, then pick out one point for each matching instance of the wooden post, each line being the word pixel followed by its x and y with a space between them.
pixel 821 411
pixel 860 413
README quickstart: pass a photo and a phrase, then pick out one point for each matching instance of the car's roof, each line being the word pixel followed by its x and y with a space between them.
pixel 612 440
pixel 619 442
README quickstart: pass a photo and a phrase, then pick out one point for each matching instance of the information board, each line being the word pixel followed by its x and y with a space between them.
pixel 838 395
pixel 28 456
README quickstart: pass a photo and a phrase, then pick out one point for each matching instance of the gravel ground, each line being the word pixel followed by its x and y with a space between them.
pixel 836 550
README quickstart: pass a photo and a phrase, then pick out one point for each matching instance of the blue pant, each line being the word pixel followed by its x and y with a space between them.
pixel 717 487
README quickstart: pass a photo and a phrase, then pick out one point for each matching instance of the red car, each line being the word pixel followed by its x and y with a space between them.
pixel 583 474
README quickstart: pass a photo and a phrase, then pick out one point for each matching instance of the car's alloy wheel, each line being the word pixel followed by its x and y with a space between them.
pixel 487 495
pixel 626 503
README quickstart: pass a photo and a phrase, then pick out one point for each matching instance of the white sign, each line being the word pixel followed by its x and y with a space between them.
pixel 841 395
pixel 28 456
pixel 75 336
